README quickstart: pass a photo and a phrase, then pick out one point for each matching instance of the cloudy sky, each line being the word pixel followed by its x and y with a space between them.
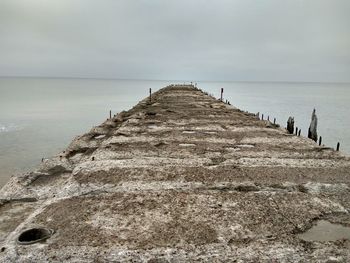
pixel 245 40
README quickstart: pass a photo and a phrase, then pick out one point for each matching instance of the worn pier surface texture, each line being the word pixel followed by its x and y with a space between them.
pixel 184 177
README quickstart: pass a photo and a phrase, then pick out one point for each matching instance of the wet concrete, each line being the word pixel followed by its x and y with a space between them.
pixel 181 178
pixel 325 231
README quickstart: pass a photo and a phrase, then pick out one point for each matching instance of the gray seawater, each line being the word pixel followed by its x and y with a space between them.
pixel 39 117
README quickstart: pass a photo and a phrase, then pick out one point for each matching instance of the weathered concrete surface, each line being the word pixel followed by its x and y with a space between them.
pixel 183 178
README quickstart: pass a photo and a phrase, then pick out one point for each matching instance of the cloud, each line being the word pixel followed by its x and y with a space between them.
pixel 155 39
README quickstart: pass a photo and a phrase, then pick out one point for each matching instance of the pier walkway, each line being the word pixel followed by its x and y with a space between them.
pixel 181 177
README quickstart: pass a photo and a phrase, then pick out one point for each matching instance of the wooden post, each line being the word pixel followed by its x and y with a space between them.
pixel 262 116
pixel 268 117
pixel 299 132
pixel 338 146
pixel 110 114
pixel 222 92
pixel 312 134
pixel 320 141
pixel 150 94
pixel 290 125
pixel 296 131
pixel 274 120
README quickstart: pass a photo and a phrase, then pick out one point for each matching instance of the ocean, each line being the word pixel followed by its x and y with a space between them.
pixel 40 116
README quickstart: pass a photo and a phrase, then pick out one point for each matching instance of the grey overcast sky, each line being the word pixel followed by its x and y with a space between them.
pixel 244 40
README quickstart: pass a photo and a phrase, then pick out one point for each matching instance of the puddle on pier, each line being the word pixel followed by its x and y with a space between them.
pixel 326 231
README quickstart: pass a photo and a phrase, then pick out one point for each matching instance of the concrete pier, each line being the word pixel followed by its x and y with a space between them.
pixel 183 177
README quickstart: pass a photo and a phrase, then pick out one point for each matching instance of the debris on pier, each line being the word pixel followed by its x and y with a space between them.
pixel 181 177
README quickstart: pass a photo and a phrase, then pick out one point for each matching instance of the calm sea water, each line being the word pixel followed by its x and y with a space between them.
pixel 39 117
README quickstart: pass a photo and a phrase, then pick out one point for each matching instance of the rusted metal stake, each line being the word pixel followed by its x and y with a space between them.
pixel 338 146
pixel 320 141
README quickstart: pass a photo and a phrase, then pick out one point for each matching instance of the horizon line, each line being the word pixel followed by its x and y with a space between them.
pixel 193 81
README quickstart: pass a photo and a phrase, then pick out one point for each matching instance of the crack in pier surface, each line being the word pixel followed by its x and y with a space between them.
pixel 181 177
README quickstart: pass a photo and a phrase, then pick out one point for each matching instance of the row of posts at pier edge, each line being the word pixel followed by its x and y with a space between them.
pixel 312 132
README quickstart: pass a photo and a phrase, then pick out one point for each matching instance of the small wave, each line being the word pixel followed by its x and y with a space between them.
pixel 9 128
